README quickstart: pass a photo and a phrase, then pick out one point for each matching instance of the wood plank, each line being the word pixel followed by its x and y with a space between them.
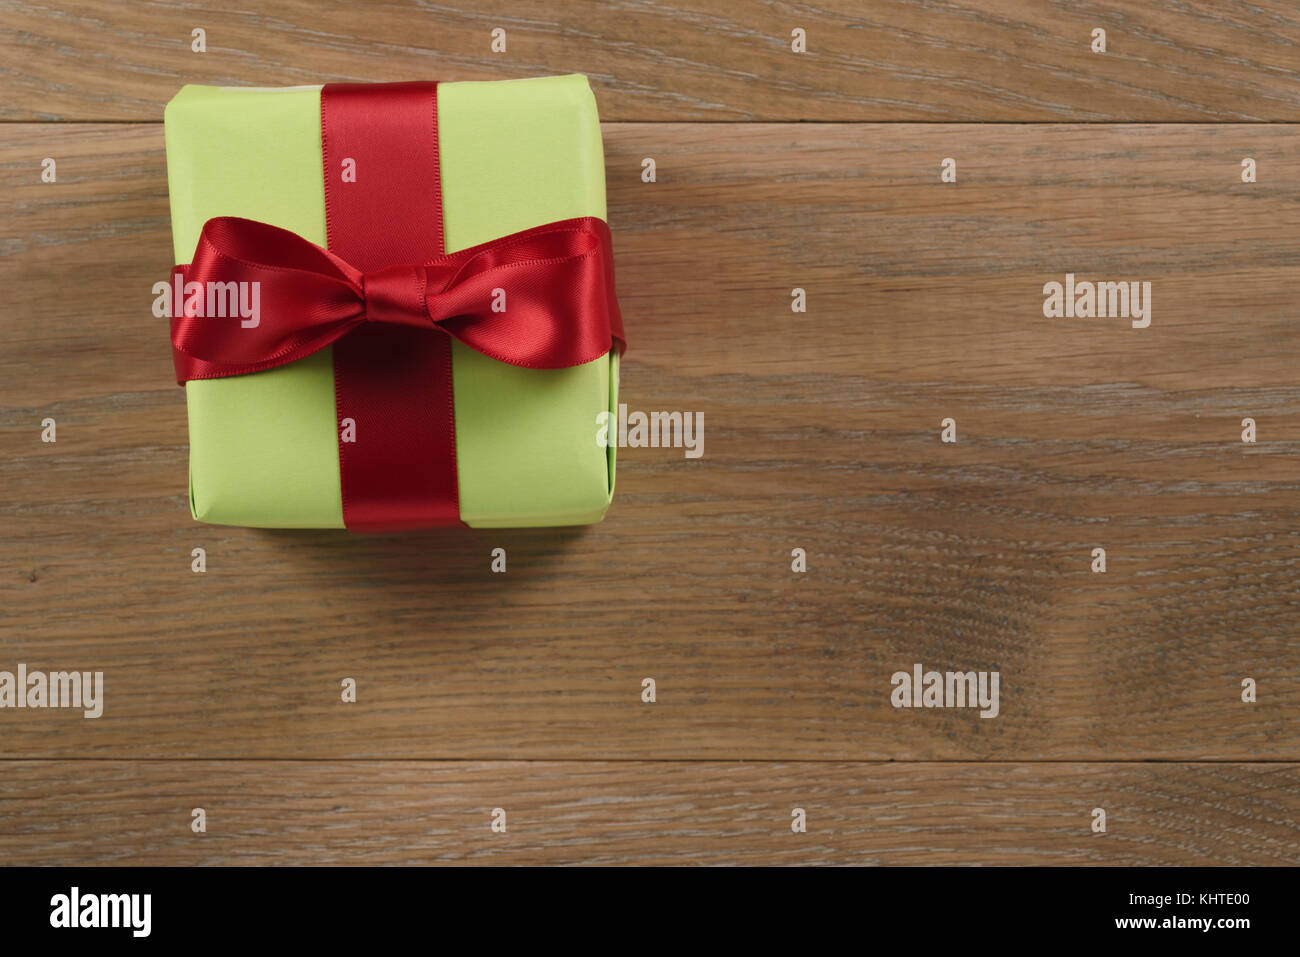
pixel 601 813
pixel 990 60
pixel 822 432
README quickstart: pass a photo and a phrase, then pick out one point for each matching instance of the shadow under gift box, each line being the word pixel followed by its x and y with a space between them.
pixel 514 154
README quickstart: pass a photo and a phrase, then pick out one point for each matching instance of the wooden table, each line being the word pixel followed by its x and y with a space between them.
pixel 522 691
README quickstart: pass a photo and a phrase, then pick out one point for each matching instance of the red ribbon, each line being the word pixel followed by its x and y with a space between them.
pixel 542 298
pixel 392 382
pixel 560 309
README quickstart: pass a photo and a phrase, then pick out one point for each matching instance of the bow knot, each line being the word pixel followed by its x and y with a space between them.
pixel 396 294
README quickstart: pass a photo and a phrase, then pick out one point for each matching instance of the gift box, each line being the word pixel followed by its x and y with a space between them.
pixel 269 447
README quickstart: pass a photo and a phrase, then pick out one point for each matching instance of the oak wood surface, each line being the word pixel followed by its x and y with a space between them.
pixel 883 60
pixel 821 432
pixel 593 813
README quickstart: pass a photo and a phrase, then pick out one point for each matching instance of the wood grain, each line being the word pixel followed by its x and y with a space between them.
pixel 599 813
pixel 822 432
pixel 888 60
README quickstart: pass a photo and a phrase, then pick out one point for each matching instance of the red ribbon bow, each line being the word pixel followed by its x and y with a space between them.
pixel 542 298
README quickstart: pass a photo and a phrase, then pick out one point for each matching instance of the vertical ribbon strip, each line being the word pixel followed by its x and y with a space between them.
pixel 383 206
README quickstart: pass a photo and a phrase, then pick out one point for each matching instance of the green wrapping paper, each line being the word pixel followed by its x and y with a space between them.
pixel 514 154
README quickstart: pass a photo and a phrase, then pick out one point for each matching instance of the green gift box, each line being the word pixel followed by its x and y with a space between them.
pixel 514 154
